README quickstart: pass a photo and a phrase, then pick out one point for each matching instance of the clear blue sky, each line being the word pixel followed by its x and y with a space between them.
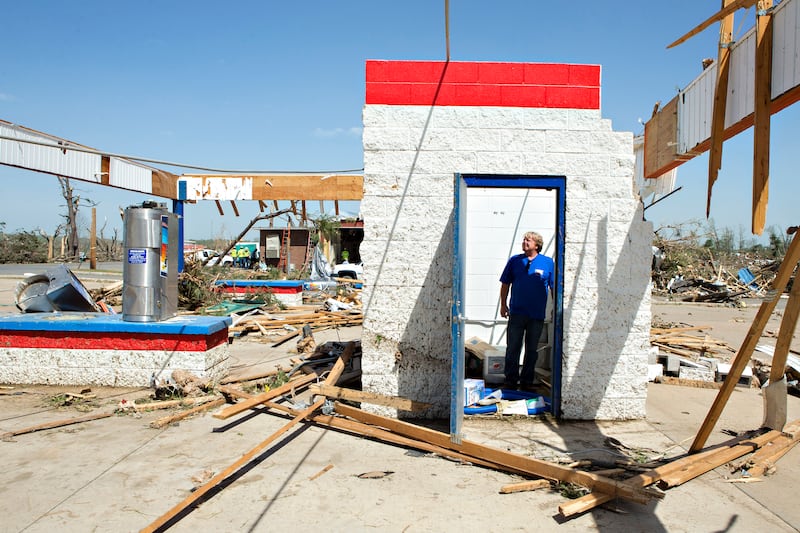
pixel 267 85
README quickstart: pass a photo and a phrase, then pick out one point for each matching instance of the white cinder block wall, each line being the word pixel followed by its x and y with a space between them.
pixel 500 118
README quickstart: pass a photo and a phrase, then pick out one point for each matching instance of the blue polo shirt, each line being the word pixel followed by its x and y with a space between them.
pixel 530 280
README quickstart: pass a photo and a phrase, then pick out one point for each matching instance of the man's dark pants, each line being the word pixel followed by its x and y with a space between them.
pixel 521 327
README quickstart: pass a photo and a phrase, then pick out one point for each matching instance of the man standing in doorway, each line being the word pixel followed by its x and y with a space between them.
pixel 529 277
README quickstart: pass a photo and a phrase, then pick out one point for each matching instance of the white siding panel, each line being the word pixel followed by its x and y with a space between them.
pixel 130 176
pixel 741 81
pixel 71 164
pixel 695 105
pixel 696 102
pixel 785 73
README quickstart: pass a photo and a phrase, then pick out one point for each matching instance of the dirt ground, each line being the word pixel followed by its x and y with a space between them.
pixel 118 474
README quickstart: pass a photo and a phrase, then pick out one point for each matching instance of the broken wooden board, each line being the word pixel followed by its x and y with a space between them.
pixel 396 402
pixel 529 465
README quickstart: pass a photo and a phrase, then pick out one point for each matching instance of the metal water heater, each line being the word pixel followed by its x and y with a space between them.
pixel 150 263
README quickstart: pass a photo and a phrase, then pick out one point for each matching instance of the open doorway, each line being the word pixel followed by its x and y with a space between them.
pixel 492 213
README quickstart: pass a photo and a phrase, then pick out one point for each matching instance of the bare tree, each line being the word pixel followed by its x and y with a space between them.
pixel 73 202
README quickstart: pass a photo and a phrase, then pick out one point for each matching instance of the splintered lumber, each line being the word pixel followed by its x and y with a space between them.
pixel 529 465
pixel 246 458
pixel 706 463
pixel 239 407
pixel 655 475
pixel 166 420
pixel 56 424
pixel 762 102
pixel 366 430
pixel 524 486
pixel 397 402
pixel 748 345
pixel 766 456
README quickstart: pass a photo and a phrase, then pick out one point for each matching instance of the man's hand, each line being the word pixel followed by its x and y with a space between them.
pixel 503 310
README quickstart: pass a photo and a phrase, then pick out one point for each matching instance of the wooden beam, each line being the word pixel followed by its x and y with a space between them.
pixel 720 102
pixel 761 112
pixel 235 209
pixel 525 486
pixel 166 420
pixel 213 482
pixel 766 456
pixel 397 402
pixel 295 186
pixel 749 344
pixel 649 477
pixel 219 208
pixel 56 424
pixel 716 17
pixel 711 461
pixel 255 401
pixel 788 324
pixel 530 465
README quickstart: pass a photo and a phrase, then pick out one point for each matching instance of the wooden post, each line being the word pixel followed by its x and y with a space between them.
pixel 720 101
pixel 748 345
pixel 761 114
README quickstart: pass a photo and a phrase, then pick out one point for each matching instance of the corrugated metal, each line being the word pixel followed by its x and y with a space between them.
pixel 130 176
pixel 696 102
pixel 71 164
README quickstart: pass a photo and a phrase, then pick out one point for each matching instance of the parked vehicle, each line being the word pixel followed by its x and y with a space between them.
pixel 348 270
pixel 209 257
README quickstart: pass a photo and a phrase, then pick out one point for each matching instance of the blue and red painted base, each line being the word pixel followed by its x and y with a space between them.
pixel 102 349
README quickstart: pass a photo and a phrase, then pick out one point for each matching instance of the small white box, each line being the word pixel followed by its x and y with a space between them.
pixel 474 390
pixel 494 365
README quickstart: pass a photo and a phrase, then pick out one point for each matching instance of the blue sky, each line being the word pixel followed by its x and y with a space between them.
pixel 266 85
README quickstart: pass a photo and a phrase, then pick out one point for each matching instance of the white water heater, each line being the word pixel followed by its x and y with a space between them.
pixel 150 263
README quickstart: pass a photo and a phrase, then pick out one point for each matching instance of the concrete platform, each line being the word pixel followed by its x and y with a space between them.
pixel 103 349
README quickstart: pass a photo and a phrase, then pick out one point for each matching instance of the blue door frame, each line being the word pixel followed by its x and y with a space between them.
pixel 462 183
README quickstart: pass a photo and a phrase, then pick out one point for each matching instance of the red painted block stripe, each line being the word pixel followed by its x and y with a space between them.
pixel 73 340
pixel 550 85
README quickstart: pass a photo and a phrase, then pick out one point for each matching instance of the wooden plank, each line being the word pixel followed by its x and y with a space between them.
pixel 366 430
pixel 263 397
pixel 761 114
pixel 166 420
pixel 213 482
pixel 720 102
pixel 709 462
pixel 788 324
pixel 766 456
pixel 397 402
pixel 590 501
pixel 716 17
pixel 529 465
pixel 297 186
pixel 525 486
pixel 751 339
pixel 55 424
